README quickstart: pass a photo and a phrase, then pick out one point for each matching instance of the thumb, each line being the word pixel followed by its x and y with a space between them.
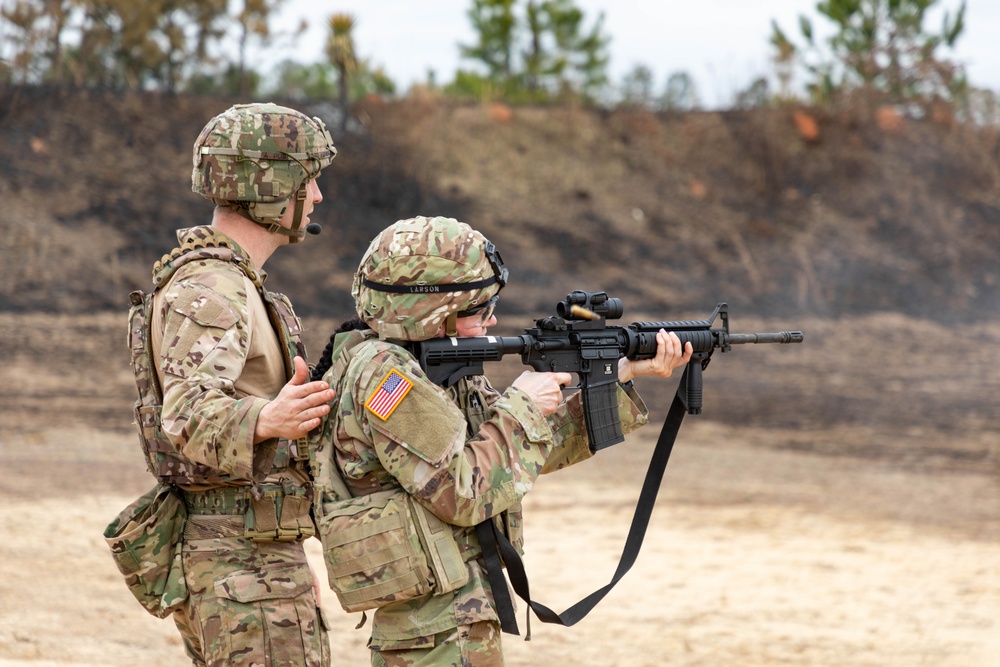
pixel 301 375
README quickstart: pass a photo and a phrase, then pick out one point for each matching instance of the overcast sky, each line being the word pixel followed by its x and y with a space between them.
pixel 722 44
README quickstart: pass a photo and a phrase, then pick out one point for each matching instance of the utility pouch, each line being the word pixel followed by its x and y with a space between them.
pixel 145 542
pixel 385 547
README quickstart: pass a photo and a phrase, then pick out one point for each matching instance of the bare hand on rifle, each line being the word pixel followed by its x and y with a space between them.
pixel 670 354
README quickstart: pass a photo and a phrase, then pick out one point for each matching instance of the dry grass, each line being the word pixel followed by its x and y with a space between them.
pixel 753 557
pixel 846 524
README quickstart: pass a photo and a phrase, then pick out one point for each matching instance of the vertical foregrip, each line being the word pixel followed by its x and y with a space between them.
pixel 600 406
pixel 692 387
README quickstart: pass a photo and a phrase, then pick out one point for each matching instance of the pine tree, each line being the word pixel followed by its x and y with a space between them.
pixel 882 47
pixel 541 53
pixel 493 21
pixel 37 28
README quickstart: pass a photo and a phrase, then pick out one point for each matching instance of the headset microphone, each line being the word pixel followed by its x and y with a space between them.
pixel 314 228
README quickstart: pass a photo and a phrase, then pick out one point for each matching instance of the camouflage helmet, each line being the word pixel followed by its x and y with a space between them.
pixel 420 273
pixel 254 158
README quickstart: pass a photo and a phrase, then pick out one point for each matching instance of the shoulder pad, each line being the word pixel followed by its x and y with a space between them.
pixel 401 403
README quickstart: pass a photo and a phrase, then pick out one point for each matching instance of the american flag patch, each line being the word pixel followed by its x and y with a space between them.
pixel 389 395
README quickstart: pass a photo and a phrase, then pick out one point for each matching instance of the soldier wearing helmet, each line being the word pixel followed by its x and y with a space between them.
pixel 261 161
pixel 234 394
pixel 453 457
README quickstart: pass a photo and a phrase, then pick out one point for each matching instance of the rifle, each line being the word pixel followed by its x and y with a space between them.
pixel 578 340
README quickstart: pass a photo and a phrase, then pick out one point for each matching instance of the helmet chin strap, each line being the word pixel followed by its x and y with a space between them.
pixel 300 202
pixel 294 233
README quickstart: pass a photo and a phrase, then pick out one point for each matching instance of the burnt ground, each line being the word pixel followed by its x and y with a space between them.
pixel 671 212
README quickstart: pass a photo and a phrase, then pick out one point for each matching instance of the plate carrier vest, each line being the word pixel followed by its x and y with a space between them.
pixel 163 460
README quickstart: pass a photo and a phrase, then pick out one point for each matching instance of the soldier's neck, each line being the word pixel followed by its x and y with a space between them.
pixel 256 241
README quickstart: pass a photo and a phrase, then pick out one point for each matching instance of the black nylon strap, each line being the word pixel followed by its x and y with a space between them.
pixel 633 542
pixel 429 289
pixel 487 532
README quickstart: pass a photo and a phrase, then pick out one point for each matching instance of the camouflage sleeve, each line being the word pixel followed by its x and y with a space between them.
pixel 205 343
pixel 423 443
pixel 570 428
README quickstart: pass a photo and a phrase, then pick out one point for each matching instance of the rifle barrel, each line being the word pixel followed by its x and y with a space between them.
pixel 777 337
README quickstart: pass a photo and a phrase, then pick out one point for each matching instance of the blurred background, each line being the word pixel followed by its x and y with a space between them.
pixel 831 166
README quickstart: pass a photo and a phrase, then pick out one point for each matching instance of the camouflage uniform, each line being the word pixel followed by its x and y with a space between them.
pixel 466 453
pixel 220 362
pixel 222 347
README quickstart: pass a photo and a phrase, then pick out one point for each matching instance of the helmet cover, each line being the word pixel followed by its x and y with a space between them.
pixel 419 271
pixel 255 157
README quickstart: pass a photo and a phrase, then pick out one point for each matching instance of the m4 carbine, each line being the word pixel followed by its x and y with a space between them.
pixel 578 340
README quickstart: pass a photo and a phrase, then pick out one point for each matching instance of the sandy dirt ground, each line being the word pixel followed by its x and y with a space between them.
pixel 866 543
pixel 753 557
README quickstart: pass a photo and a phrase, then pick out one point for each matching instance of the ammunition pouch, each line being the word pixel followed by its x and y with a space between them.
pixel 385 547
pixel 271 512
pixel 145 541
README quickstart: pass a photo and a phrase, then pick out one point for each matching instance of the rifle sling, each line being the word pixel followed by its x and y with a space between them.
pixel 496 540
pixel 490 540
